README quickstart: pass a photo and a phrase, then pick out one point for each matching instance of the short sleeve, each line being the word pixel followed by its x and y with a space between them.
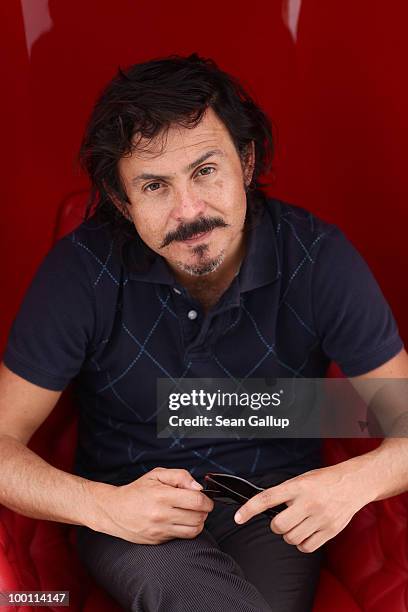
pixel 55 325
pixel 354 321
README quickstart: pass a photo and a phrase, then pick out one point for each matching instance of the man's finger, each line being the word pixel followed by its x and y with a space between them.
pixel 288 519
pixel 175 477
pixel 262 501
pixel 317 539
pixel 303 530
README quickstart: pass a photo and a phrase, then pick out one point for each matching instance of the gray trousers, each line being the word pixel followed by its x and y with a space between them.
pixel 226 568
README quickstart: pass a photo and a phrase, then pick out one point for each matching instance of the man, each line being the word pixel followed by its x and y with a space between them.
pixel 184 268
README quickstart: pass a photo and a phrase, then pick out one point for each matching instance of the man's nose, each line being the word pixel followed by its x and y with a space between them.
pixel 187 204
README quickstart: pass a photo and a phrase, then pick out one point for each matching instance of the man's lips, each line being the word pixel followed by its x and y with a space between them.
pixel 197 237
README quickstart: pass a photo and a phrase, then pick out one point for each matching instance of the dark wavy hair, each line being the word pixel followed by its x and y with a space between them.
pixel 143 101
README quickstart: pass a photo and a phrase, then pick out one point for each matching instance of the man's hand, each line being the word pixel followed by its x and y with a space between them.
pixel 161 505
pixel 320 504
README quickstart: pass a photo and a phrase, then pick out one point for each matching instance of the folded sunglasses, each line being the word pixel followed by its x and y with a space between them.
pixel 229 489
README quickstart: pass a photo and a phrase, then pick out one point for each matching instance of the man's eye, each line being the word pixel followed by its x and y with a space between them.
pixel 206 170
pixel 152 187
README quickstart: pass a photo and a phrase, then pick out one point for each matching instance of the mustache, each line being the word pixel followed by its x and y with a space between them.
pixel 186 231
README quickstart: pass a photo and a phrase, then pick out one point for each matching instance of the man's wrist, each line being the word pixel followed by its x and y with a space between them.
pixel 358 478
pixel 382 472
pixel 97 496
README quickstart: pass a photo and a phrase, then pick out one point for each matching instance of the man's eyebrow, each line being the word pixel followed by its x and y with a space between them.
pixel 203 158
pixel 146 176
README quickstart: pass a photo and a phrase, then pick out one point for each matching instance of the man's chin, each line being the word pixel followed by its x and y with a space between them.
pixel 200 268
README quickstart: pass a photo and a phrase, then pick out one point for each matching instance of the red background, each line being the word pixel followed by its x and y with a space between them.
pixel 333 82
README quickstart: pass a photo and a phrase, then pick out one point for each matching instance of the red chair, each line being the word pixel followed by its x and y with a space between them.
pixel 365 568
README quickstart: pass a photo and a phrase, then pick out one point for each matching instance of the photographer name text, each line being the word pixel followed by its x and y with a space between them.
pixel 219 421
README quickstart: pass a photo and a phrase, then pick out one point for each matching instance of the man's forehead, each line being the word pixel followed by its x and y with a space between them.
pixel 170 149
pixel 210 132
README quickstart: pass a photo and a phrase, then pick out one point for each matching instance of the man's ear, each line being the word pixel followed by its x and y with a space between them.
pixel 248 163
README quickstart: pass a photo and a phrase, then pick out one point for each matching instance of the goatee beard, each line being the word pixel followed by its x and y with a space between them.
pixel 202 268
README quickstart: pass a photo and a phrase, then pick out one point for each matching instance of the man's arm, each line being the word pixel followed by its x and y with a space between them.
pixel 161 505
pixel 385 469
pixel 28 484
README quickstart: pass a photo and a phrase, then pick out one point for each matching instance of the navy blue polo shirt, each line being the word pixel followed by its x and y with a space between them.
pixel 303 297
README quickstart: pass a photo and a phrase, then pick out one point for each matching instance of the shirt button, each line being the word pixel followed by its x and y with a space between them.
pixel 176 290
pixel 192 314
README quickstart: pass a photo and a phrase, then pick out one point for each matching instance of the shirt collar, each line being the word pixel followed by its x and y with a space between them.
pixel 158 272
pixel 260 265
pixel 261 262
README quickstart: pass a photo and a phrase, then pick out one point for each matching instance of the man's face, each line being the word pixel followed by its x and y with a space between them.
pixel 187 199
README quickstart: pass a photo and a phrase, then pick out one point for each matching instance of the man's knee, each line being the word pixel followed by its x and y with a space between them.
pixel 194 574
pixel 187 560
